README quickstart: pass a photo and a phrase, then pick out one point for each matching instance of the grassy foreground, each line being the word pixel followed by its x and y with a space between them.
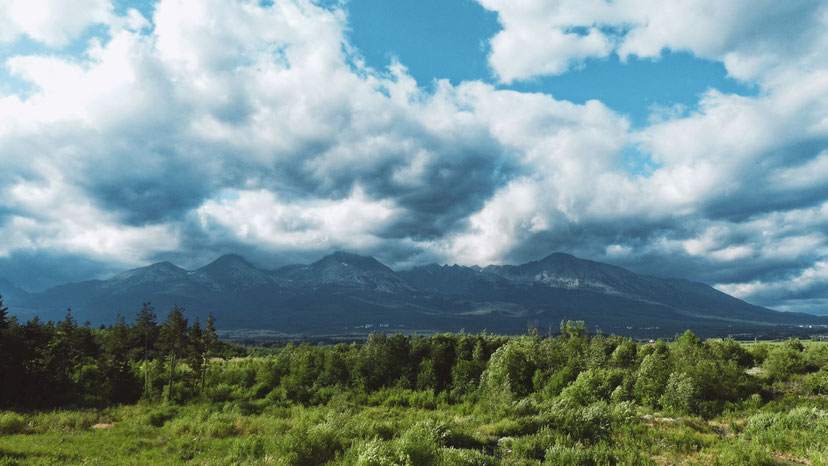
pixel 396 426
pixel 446 399
pixel 240 433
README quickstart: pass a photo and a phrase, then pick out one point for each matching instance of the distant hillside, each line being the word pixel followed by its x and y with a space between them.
pixel 343 293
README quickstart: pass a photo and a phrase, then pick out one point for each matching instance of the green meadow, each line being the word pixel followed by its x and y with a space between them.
pixel 173 394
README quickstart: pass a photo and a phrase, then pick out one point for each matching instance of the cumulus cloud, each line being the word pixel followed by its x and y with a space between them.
pixel 235 126
pixel 753 39
pixel 52 22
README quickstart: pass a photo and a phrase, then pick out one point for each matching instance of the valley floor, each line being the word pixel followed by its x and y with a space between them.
pixel 388 428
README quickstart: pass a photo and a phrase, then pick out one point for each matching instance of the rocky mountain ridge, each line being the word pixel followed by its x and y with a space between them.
pixel 342 292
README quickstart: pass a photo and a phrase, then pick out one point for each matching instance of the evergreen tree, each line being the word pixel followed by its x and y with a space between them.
pixel 123 384
pixel 210 346
pixel 173 340
pixel 197 352
pixel 4 317
pixel 147 328
pixel 8 358
pixel 210 336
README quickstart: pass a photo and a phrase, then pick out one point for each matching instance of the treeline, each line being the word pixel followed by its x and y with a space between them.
pixel 64 364
pixel 686 376
pixel 48 364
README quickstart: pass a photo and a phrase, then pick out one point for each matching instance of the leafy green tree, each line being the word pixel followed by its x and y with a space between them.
pixel 511 371
pixel 652 376
pixel 381 361
pixel 173 339
pixel 785 360
pixel 624 355
pixel 679 394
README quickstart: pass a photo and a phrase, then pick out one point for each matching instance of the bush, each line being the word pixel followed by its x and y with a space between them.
pixel 420 443
pixel 464 457
pixel 75 420
pixel 818 382
pixel 593 385
pixel 577 455
pixel 373 452
pixel 11 423
pixel 744 453
pixel 784 361
pixel 680 394
pixel 591 423
pixel 652 378
pixel 247 448
pixel 220 393
pixel 159 416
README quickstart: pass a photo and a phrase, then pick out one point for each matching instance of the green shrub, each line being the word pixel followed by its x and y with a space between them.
pixel 652 378
pixel 74 420
pixel 11 423
pixel 590 423
pixel 247 448
pixel 593 385
pixel 420 444
pixel 313 445
pixel 159 416
pixel 220 393
pixel 531 446
pixel 784 361
pixel 817 382
pixel 579 455
pixel 680 394
pixel 744 453
pixel 373 452
pixel 465 457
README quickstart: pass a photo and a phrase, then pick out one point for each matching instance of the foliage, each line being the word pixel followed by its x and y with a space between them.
pixel 160 394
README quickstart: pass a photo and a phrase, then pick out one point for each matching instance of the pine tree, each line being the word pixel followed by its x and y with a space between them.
pixel 123 384
pixel 197 351
pixel 147 327
pixel 210 343
pixel 4 317
pixel 173 340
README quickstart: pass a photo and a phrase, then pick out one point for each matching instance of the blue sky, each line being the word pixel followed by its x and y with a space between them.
pixel 675 139
pixel 437 39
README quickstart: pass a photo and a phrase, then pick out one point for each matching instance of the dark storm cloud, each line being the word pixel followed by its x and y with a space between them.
pixel 38 270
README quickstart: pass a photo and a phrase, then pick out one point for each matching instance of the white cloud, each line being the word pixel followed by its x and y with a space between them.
pixel 756 40
pixel 60 219
pixel 260 219
pixel 52 22
pixel 232 123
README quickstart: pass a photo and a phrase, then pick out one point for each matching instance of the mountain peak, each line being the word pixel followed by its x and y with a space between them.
pixel 559 256
pixel 349 259
pixel 345 255
pixel 352 270
pixel 227 260
pixel 158 272
pixel 231 272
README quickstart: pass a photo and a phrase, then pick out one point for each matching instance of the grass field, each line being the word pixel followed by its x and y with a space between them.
pixel 451 400
pixel 406 427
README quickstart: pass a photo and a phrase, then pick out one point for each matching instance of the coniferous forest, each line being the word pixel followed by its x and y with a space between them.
pixel 165 390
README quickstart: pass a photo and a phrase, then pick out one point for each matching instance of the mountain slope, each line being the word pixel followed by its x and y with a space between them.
pixel 345 292
pixel 11 293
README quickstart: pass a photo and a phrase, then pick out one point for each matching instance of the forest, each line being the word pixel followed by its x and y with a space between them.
pixel 169 392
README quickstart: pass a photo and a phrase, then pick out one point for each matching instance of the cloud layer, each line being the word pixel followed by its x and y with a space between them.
pixel 217 126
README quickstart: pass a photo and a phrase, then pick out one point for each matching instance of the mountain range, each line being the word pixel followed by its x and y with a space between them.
pixel 345 293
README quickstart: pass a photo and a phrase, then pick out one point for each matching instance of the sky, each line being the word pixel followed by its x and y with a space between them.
pixel 685 139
